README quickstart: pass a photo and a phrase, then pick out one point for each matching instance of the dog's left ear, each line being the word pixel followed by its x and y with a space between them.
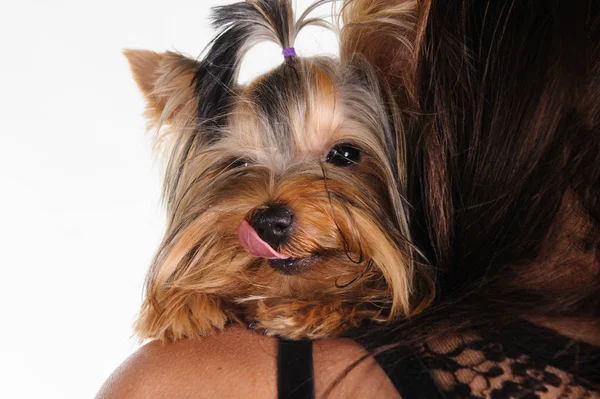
pixel 166 81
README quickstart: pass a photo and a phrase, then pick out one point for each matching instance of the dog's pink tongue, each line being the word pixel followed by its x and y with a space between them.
pixel 254 244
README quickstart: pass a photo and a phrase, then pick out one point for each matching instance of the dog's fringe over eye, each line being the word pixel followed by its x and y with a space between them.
pixel 343 155
pixel 239 163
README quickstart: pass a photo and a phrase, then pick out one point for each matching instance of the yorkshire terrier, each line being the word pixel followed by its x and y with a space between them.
pixel 284 196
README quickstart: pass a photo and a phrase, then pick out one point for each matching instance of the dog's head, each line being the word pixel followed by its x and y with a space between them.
pixel 284 196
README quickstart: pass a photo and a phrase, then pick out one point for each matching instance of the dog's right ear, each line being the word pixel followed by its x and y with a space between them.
pixel 166 81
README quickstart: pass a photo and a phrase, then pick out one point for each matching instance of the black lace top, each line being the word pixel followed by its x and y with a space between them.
pixel 520 361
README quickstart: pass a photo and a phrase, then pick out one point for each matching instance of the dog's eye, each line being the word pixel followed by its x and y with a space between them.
pixel 239 163
pixel 343 155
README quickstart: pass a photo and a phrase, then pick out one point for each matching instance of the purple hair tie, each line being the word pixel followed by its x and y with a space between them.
pixel 289 52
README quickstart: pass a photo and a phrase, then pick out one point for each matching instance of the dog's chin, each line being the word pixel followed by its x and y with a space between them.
pixel 293 266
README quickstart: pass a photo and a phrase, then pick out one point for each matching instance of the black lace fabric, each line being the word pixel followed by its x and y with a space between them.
pixel 521 362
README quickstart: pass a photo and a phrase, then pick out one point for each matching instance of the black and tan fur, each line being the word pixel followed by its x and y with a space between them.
pixel 231 149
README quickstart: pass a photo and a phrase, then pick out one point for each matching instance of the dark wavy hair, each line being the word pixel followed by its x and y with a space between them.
pixel 501 107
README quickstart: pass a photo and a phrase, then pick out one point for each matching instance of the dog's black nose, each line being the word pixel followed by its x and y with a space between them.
pixel 273 224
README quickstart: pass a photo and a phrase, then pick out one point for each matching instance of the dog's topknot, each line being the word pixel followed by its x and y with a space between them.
pixel 242 25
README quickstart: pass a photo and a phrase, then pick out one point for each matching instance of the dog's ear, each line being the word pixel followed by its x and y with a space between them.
pixel 144 67
pixel 167 82
pixel 386 33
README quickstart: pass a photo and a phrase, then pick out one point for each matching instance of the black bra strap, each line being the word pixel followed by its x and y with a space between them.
pixel 295 370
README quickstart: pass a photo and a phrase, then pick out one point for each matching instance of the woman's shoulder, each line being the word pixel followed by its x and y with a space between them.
pixel 235 363
pixel 221 365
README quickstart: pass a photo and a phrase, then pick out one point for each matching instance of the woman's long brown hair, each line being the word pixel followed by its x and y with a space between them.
pixel 501 105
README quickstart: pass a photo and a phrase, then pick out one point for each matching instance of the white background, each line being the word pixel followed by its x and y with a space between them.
pixel 80 212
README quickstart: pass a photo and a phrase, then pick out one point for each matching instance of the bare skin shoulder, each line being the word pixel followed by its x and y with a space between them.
pixel 239 363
